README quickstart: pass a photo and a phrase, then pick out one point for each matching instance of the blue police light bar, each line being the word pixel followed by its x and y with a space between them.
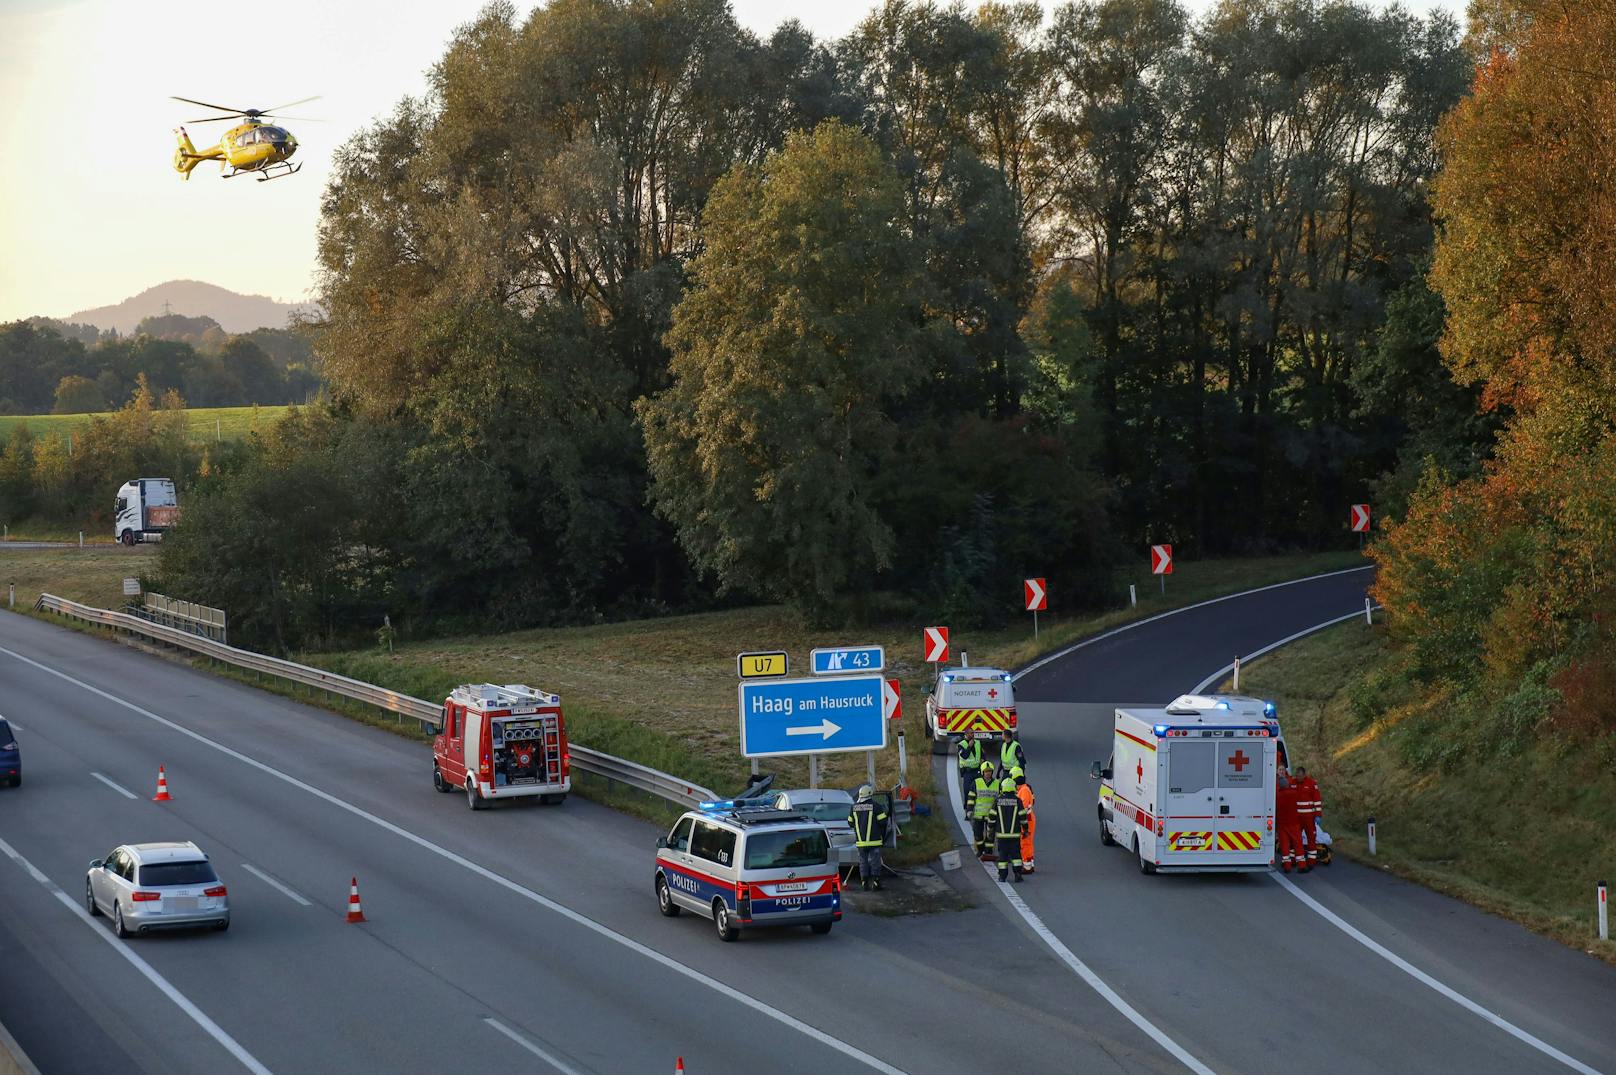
pixel 721 804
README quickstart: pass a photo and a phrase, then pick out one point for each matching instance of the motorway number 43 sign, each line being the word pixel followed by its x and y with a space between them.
pixel 1161 559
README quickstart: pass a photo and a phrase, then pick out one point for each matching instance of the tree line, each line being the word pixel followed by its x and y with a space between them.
pixel 50 367
pixel 641 302
pixel 1499 581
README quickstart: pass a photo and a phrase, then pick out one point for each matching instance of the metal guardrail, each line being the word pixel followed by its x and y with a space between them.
pixel 633 774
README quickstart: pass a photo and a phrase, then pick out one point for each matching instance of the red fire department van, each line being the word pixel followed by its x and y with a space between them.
pixel 502 742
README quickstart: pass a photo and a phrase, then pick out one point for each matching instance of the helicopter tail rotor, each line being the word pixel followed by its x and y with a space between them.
pixel 186 157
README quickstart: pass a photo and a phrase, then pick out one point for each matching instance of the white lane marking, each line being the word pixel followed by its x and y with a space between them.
pixel 120 789
pixel 1228 669
pixel 1067 956
pixel 1362 938
pixel 215 1031
pixel 565 1069
pixel 482 871
pixel 1058 654
pixel 1452 994
pixel 276 885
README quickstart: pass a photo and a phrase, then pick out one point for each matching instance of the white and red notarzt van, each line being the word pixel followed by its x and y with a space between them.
pixel 1191 787
pixel 975 702
pixel 502 742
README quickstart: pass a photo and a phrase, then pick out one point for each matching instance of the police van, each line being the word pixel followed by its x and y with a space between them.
pixel 745 867
pixel 1190 788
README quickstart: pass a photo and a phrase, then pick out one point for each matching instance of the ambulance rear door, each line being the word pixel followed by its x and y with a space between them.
pixel 1188 801
pixel 1245 797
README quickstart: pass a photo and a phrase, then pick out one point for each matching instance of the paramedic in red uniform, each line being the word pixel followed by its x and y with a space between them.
pixel 1309 807
pixel 1288 822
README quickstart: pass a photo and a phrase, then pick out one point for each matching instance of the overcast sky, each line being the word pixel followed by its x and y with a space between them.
pixel 91 210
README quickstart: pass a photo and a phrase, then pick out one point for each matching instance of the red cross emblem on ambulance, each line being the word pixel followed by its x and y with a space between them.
pixel 1139 768
pixel 1239 760
pixel 993 692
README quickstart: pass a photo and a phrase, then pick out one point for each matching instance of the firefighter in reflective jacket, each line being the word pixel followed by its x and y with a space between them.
pixel 1011 756
pixel 1288 820
pixel 1308 807
pixel 979 804
pixel 869 820
pixel 1010 825
pixel 970 762
pixel 1024 793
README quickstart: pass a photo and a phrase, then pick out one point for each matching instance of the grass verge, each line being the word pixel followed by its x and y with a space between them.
pixel 93 575
pixel 1490 834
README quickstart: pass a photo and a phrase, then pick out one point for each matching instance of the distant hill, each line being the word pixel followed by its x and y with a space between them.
pixel 235 313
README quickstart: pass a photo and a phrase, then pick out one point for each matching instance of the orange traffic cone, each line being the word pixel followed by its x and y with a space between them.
pixel 355 912
pixel 162 795
pixel 679 1068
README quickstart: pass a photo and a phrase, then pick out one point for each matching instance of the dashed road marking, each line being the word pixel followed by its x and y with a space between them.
pixel 119 788
pixel 276 885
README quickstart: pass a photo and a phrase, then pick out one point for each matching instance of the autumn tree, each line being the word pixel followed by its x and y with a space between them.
pixel 800 329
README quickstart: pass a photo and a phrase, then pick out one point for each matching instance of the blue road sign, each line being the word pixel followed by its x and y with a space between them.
pixel 842 660
pixel 811 716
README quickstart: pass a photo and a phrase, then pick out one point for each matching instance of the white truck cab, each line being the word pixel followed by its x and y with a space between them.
pixel 1190 787
pixel 144 510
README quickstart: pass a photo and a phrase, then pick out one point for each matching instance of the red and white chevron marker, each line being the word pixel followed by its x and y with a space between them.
pixel 1036 593
pixel 891 701
pixel 935 643
pixel 1360 518
pixel 1161 559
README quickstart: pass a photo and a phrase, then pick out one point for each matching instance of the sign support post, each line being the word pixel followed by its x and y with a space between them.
pixel 869 766
pixel 903 761
pixel 813 771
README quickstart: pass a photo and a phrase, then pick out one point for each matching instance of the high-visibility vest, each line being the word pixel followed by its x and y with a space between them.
pixel 869 823
pixel 1007 807
pixel 970 755
pixel 1011 756
pixel 982 797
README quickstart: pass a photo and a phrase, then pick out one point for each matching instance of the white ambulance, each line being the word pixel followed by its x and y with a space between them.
pixel 502 742
pixel 975 702
pixel 1190 788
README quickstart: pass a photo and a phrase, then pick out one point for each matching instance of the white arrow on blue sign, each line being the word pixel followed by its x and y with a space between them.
pixel 812 716
pixel 842 660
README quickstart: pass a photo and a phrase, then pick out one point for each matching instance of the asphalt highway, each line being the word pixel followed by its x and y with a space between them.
pixel 522 938
pixel 527 937
pixel 1237 969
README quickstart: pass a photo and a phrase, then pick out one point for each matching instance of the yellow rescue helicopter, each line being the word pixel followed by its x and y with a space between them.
pixel 250 146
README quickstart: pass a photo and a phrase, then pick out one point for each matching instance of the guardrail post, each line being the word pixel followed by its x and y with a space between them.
pixel 1371 836
pixel 1604 922
pixel 11 595
pixel 1133 596
pixel 81 539
pixel 1237 674
pixel 1368 612
pixel 903 761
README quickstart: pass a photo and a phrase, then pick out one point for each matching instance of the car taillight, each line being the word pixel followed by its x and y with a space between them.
pixel 1161 827
pixel 1012 718
pixel 8 746
pixel 142 897
pixel 216 890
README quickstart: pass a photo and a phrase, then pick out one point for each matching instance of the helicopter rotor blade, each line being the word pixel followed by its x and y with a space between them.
pixel 290 104
pixel 210 119
pixel 205 104
pixel 295 119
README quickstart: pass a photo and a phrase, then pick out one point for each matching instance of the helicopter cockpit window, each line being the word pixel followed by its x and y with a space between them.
pixel 271 134
pixel 247 138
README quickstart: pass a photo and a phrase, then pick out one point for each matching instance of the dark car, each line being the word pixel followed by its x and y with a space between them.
pixel 10 756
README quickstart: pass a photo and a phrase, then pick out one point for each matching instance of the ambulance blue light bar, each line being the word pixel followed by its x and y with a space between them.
pixel 1269 709
pixel 1160 730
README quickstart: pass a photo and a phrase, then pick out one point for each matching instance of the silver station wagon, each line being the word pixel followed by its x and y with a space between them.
pixel 156 886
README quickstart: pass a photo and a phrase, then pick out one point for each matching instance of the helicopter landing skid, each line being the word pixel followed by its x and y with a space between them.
pixel 274 171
